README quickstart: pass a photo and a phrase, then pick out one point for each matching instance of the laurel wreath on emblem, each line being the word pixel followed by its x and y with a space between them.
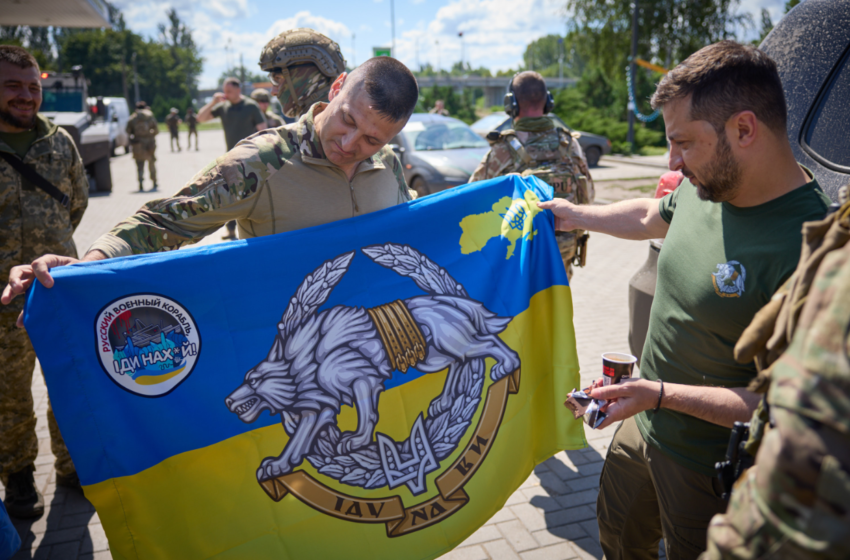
pixel 444 430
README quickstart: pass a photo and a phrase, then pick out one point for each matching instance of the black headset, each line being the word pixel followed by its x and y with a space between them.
pixel 512 107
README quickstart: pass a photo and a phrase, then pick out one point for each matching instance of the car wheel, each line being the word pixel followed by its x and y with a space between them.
pixel 127 149
pixel 112 149
pixel 420 186
pixel 593 154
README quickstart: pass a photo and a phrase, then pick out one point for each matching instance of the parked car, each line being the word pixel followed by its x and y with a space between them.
pixel 437 152
pixel 811 47
pixel 594 146
pixel 117 115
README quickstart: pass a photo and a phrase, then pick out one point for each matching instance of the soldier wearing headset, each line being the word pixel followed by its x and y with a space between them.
pixel 537 145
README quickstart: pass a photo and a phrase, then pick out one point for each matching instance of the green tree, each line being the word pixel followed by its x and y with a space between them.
pixel 766 26
pixel 790 4
pixel 542 55
pixel 250 76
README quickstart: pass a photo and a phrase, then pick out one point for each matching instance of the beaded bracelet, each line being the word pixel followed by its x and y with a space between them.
pixel 660 394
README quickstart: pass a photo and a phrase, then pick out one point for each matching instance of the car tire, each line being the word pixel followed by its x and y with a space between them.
pixel 593 154
pixel 102 175
pixel 420 186
pixel 112 149
pixel 126 149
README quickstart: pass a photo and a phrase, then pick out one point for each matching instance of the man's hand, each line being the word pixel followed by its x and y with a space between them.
pixel 638 218
pixel 21 277
pixel 218 97
pixel 626 399
pixel 565 212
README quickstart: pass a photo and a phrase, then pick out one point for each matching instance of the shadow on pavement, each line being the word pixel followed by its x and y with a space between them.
pixel 62 532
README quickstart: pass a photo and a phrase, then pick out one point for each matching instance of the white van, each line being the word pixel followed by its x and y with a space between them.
pixel 117 115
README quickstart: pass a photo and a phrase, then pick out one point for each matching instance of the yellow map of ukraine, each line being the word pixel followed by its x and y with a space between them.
pixel 510 218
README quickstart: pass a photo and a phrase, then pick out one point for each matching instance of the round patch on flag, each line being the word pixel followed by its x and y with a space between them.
pixel 147 343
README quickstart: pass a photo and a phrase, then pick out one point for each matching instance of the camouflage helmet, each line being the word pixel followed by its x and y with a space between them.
pixel 261 95
pixel 306 63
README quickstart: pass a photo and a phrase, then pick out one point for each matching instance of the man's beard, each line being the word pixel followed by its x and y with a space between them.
pixel 722 174
pixel 7 117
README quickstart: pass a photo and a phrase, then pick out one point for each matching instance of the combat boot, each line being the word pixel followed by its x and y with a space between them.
pixel 23 499
pixel 141 187
pixel 71 481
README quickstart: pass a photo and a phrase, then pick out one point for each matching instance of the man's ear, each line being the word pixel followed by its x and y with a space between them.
pixel 336 87
pixel 743 128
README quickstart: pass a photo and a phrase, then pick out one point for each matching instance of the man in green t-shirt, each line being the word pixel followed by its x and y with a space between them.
pixel 731 238
pixel 240 118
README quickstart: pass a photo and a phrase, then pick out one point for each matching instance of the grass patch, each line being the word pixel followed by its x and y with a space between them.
pixel 652 150
pixel 215 125
pixel 644 188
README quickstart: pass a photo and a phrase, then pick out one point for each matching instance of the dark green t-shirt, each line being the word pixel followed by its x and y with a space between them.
pixel 718 266
pixel 239 121
pixel 20 142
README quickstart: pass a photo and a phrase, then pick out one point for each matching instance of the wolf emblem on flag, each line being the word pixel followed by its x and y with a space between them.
pixel 320 361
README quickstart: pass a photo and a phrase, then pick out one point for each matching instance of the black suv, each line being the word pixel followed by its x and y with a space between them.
pixel 811 47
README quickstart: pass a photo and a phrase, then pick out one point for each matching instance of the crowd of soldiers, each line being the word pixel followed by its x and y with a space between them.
pixel 793 503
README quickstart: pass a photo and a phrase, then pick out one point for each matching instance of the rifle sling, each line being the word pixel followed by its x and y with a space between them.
pixel 36 179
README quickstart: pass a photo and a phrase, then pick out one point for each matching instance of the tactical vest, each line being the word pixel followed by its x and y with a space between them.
pixel 550 158
pixel 142 125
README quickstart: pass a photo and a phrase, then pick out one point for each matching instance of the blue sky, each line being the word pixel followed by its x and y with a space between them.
pixel 495 31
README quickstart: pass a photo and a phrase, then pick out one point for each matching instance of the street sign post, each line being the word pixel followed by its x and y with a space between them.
pixel 382 51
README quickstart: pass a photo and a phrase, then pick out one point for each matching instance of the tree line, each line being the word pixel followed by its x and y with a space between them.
pixel 167 66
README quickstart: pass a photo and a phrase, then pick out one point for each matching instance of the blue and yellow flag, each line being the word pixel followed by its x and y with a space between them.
pixel 371 388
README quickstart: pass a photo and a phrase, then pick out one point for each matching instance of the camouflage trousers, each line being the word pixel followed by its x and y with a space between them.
pixel 18 439
pixel 567 246
pixel 194 132
pixel 140 167
pixel 145 150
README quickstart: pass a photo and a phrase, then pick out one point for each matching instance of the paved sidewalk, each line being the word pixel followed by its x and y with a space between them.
pixel 551 517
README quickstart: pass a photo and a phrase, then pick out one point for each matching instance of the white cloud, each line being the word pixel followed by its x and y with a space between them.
pixel 215 33
pixel 495 32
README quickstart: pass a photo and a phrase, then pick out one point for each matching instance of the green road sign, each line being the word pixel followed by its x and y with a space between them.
pixel 382 51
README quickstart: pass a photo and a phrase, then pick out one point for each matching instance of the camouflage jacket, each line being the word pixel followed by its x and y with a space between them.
pixel 173 122
pixel 142 124
pixel 795 502
pixel 191 120
pixel 274 181
pixel 33 222
pixel 540 138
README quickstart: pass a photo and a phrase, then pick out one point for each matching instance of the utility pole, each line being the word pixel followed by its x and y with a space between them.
pixel 462 69
pixel 124 75
pixel 418 66
pixel 560 60
pixel 136 79
pixel 242 75
pixel 437 42
pixel 353 52
pixel 392 20
pixel 632 71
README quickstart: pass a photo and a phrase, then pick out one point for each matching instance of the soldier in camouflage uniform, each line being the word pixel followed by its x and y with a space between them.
pixel 143 128
pixel 173 121
pixel 282 179
pixel 261 96
pixel 34 224
pixel 538 146
pixel 302 64
pixel 191 121
pixel 795 501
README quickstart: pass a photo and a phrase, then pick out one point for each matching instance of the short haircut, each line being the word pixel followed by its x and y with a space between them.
pixel 529 89
pixel 141 105
pixel 724 79
pixel 18 56
pixel 233 81
pixel 390 85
